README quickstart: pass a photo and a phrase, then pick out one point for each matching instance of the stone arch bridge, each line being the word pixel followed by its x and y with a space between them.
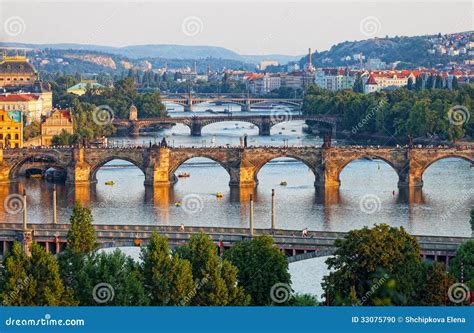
pixel 196 124
pixel 242 164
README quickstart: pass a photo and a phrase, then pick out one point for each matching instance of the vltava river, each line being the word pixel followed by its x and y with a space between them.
pixel 441 208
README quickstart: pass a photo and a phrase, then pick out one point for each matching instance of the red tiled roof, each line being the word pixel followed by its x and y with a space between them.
pixel 18 98
pixel 371 79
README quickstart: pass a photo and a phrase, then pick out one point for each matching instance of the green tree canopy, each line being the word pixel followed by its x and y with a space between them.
pixel 463 261
pixel 168 279
pixel 261 265
pixel 33 281
pixel 363 254
pixel 81 235
pixel 110 279
pixel 216 278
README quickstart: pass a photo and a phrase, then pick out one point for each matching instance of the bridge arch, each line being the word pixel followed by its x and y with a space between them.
pixel 41 161
pixel 254 123
pixel 456 156
pixel 342 166
pixel 96 167
pixel 317 173
pixel 282 102
pixel 177 162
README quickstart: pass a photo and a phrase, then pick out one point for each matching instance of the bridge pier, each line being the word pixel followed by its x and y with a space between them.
pixel 157 172
pixel 196 128
pixel 4 170
pixel 135 130
pixel 264 128
pixel 246 106
pixel 78 171
pixel 188 107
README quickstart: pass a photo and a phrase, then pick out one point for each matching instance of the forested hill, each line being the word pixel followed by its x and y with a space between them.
pixel 411 52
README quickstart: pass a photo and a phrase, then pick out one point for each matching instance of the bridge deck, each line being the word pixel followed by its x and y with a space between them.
pixel 115 235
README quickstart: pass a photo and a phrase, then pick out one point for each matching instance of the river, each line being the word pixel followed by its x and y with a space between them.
pixel 441 208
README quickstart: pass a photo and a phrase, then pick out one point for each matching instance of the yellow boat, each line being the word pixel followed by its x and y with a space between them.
pixel 283 183
pixel 219 195
pixel 109 183
pixel 36 175
pixel 177 204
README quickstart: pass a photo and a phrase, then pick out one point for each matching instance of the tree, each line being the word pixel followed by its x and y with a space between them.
pixel 434 285
pixel 358 85
pixel 410 84
pixel 33 281
pixel 150 106
pixel 216 278
pixel 261 265
pixel 110 279
pixel 32 131
pixel 390 256
pixel 472 220
pixel 81 235
pixel 303 300
pixel 168 279
pixel 463 264
pixel 64 139
pixel 418 83
pixel 429 82
pixel 438 82
pixel 454 83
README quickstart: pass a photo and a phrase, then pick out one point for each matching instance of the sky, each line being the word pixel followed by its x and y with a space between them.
pixel 247 27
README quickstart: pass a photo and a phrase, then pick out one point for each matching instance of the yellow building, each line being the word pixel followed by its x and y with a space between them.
pixel 58 121
pixel 16 71
pixel 11 129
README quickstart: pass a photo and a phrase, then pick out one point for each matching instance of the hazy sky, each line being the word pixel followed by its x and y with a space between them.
pixel 247 27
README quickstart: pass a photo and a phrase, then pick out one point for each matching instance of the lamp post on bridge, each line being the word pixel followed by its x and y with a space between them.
pixel 251 216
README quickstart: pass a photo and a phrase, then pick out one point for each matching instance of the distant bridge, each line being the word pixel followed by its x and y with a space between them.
pixel 196 123
pixel 317 243
pixel 245 101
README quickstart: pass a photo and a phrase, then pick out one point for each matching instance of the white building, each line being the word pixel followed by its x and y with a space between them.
pixel 334 78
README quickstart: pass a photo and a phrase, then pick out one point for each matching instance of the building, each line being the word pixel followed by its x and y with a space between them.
pixel 292 80
pixel 16 71
pixel 265 63
pixel 371 85
pixel 380 80
pixel 32 106
pixel 81 88
pixel 58 121
pixel 262 83
pixel 334 78
pixel 11 129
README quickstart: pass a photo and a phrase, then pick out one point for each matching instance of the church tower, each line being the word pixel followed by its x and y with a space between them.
pixel 133 113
